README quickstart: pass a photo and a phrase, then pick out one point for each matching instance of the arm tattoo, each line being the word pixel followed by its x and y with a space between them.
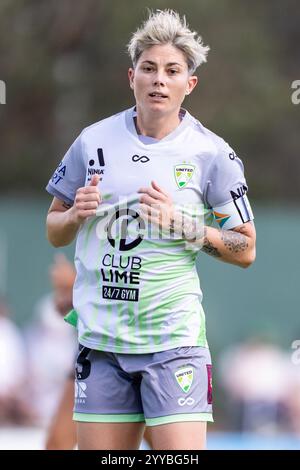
pixel 235 242
pixel 66 206
pixel 210 249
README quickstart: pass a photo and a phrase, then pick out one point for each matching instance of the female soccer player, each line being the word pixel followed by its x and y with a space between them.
pixel 143 354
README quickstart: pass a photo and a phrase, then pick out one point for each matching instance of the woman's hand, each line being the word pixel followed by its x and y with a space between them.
pixel 157 206
pixel 87 200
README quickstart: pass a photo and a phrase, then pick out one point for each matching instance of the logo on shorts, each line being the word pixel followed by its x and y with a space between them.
pixel 184 377
pixel 183 174
pixel 209 384
pixel 186 401
pixel 80 388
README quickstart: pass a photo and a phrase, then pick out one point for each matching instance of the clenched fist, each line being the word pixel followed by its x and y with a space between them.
pixel 86 201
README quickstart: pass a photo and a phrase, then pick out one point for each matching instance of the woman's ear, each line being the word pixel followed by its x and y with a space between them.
pixel 131 77
pixel 192 82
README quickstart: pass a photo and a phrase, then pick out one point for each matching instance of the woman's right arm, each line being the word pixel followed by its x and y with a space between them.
pixel 63 220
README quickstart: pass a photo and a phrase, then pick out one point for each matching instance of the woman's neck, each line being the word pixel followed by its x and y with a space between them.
pixel 155 126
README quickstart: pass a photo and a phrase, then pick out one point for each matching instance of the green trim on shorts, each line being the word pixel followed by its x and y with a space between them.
pixel 97 418
pixel 180 418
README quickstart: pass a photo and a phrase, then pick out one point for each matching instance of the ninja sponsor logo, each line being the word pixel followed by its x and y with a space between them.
pixel 96 171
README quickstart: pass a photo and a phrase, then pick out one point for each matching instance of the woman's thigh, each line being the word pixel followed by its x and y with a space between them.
pixel 109 436
pixel 179 436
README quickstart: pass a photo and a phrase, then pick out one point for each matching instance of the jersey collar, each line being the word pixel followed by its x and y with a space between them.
pixel 131 113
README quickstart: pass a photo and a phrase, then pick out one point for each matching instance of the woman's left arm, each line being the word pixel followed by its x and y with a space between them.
pixel 235 246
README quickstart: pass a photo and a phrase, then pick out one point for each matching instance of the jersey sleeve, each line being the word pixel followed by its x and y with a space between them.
pixel 226 189
pixel 69 175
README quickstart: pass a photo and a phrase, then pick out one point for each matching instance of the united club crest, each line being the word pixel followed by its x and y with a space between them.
pixel 183 174
pixel 184 377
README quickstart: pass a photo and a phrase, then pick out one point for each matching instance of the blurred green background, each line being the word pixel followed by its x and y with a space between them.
pixel 65 65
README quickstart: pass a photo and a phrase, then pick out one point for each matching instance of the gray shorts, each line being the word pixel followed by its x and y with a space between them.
pixel 158 388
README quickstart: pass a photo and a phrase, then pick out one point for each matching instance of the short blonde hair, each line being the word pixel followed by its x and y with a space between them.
pixel 166 27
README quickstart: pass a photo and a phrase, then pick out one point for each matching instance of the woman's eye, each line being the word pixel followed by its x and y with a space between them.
pixel 147 69
pixel 173 71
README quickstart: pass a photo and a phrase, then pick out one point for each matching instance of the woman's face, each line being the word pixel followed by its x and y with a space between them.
pixel 161 80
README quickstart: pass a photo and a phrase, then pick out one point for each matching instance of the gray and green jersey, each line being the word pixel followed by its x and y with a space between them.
pixel 137 288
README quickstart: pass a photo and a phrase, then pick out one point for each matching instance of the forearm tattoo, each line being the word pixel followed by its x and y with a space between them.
pixel 66 206
pixel 235 242
pixel 210 249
